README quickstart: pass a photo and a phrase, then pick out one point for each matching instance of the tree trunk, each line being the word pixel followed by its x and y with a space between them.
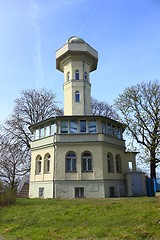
pixel 152 166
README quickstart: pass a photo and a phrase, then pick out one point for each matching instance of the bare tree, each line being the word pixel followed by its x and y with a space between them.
pixel 32 106
pixel 140 109
pixel 14 162
pixel 103 109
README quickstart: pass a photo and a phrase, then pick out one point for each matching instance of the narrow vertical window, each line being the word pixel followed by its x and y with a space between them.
pixel 77 74
pixel 47 163
pixel 47 130
pixel 118 164
pixel 77 96
pixel 110 163
pixel 41 192
pixel 83 127
pixel 36 134
pixel 68 76
pixel 85 76
pixel 103 127
pixel 42 132
pixel 53 129
pixel 119 135
pixel 114 130
pixel 108 130
pixel 38 164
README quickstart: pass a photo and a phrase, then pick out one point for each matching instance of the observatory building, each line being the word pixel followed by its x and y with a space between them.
pixel 79 154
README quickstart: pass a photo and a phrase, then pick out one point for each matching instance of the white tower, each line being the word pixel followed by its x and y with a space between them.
pixel 76 59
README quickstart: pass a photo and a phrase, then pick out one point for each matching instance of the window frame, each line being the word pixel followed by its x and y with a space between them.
pixel 65 127
pixel 81 127
pixel 71 162
pixel 47 163
pixel 118 164
pixel 77 96
pixel 38 165
pixel 110 162
pixel 68 76
pixel 76 74
pixel 73 129
pixel 87 160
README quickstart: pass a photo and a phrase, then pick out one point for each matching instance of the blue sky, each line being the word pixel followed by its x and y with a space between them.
pixel 126 34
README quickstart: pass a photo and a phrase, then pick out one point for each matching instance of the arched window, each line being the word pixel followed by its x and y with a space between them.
pixel 118 164
pixel 47 163
pixel 68 76
pixel 77 96
pixel 38 164
pixel 77 74
pixel 86 161
pixel 110 162
pixel 70 162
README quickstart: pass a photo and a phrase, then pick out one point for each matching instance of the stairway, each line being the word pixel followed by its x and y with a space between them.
pixel 24 193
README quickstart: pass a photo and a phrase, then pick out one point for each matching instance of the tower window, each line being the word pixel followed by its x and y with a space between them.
pixel 85 76
pixel 77 74
pixel 77 96
pixel 68 76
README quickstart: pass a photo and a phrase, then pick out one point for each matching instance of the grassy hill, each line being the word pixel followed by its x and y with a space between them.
pixel 37 219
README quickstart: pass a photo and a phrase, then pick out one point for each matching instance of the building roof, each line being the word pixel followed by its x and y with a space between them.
pixel 75 39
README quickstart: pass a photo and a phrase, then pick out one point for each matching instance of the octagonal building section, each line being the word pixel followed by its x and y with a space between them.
pixel 76 59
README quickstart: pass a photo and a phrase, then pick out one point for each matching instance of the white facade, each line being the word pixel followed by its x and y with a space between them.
pixel 79 155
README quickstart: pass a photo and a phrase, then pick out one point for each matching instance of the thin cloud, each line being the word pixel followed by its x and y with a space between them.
pixel 34 13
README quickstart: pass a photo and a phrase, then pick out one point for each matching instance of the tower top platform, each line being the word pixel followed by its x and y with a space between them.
pixel 76 48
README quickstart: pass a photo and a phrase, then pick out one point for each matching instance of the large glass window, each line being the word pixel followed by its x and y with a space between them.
pixel 110 162
pixel 83 127
pixel 86 162
pixel 118 164
pixel 53 129
pixel 36 134
pixel 119 135
pixel 77 74
pixel 103 127
pixel 64 126
pixel 42 132
pixel 73 126
pixel 92 127
pixel 77 96
pixel 38 164
pixel 108 130
pixel 114 131
pixel 71 162
pixel 47 163
pixel 47 130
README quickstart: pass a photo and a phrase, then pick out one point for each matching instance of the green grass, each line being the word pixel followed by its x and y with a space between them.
pixel 36 219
